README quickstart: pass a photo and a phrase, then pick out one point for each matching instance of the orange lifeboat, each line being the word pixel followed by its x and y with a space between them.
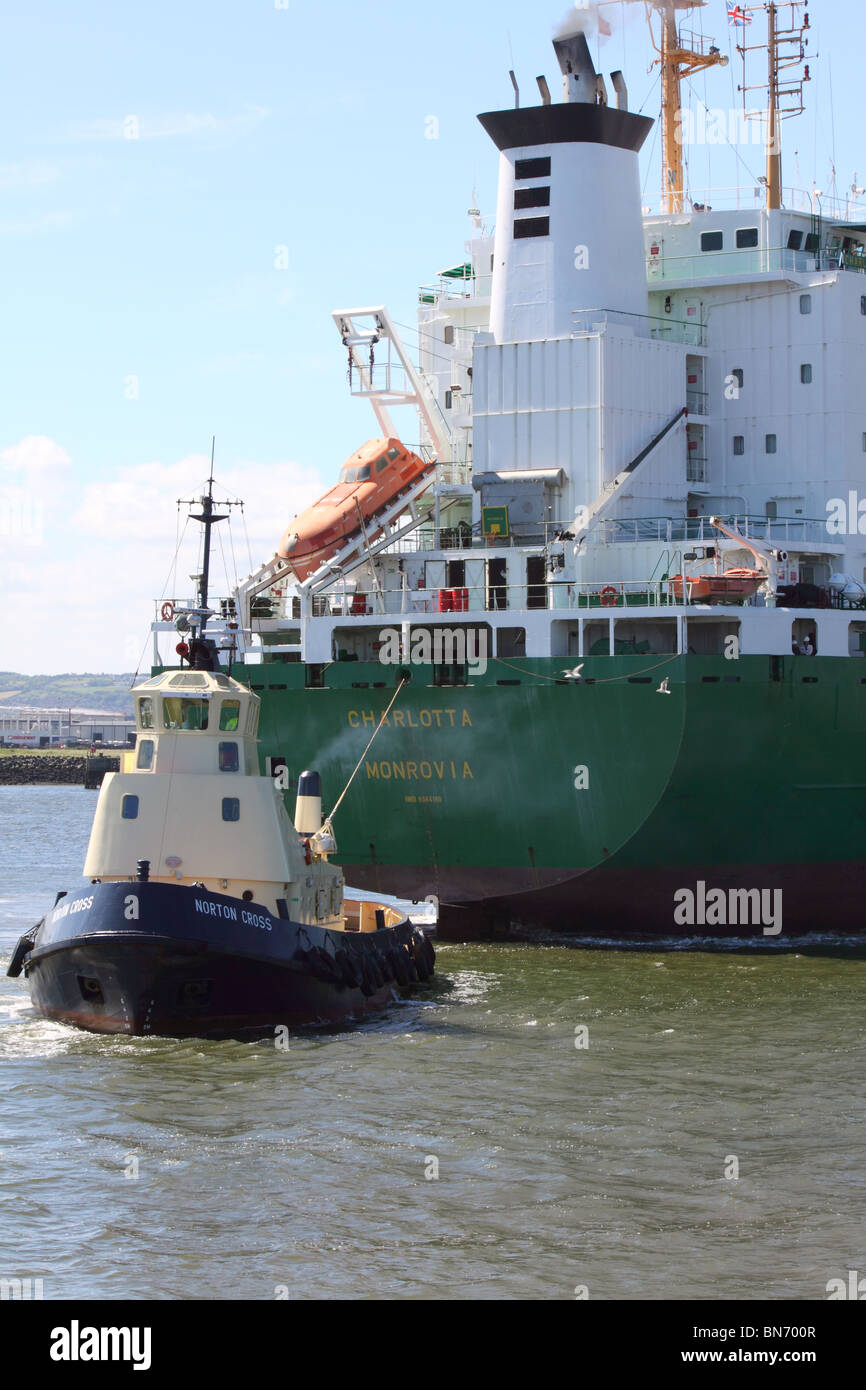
pixel 734 584
pixel 369 482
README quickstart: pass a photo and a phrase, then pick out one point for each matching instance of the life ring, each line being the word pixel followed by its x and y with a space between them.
pixel 609 596
pixel 166 612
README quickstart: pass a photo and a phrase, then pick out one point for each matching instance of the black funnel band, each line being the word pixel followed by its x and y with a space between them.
pixel 571 122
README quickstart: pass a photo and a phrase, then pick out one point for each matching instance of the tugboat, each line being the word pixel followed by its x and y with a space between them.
pixel 207 912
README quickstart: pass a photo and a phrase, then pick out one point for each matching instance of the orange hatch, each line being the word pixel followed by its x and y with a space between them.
pixel 369 482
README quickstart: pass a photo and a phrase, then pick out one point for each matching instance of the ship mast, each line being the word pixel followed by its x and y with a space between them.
pixel 786 49
pixel 681 53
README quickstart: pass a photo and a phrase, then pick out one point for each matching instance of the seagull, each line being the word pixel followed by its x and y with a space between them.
pixel 575 674
pixel 665 687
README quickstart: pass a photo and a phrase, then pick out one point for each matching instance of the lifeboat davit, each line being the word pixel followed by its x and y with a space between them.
pixel 369 482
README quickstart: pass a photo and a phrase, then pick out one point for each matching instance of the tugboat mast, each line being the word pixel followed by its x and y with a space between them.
pixel 208 519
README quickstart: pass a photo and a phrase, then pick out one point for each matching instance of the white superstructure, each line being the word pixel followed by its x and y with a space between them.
pixel 597 383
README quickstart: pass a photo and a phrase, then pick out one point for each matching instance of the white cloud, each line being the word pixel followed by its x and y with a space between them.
pixel 30 174
pixel 79 587
pixel 133 126
pixel 33 226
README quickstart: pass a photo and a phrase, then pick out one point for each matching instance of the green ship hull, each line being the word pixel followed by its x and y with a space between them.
pixel 530 803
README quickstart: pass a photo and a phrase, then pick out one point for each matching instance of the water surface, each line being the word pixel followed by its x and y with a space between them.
pixel 311 1172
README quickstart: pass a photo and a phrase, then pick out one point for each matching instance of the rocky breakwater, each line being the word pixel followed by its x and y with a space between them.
pixel 27 769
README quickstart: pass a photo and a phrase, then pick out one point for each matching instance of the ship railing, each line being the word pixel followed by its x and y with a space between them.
pixel 781 531
pixel 467 602
pixel 751 199
pixel 686 331
pixel 759 261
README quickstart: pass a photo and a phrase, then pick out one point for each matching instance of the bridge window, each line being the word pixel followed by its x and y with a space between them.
pixel 231 808
pixel 712 241
pixel 531 198
pixel 184 714
pixel 532 168
pixel 746 237
pixel 531 226
pixel 129 808
pixel 145 712
pixel 795 240
pixel 230 711
pixel 228 757
pixel 145 755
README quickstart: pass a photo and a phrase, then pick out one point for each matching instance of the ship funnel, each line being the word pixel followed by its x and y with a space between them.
pixel 618 84
pixel 578 69
pixel 308 807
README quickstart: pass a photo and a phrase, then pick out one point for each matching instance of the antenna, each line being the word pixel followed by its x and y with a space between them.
pixel 786 49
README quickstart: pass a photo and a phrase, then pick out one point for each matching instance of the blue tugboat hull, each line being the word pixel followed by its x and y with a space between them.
pixel 156 959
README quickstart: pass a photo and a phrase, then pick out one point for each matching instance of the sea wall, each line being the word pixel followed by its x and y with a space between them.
pixel 26 769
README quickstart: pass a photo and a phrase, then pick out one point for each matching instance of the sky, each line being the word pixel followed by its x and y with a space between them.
pixel 186 193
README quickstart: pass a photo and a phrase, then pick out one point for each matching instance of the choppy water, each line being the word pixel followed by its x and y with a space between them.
pixel 306 1171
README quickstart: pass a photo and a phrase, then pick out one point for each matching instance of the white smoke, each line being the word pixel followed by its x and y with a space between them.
pixel 582 18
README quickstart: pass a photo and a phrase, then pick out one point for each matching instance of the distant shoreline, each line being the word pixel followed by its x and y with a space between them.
pixel 55 766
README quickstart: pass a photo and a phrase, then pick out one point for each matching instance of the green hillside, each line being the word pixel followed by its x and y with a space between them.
pixel 75 690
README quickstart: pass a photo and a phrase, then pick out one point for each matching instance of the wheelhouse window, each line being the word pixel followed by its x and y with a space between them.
pixel 746 237
pixel 231 808
pixel 178 713
pixel 531 198
pixel 795 240
pixel 228 757
pixel 145 712
pixel 129 808
pixel 230 711
pixel 144 761
pixel 537 168
pixel 531 226
pixel 712 241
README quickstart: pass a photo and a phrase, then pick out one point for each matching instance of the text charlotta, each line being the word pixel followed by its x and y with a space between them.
pixel 406 719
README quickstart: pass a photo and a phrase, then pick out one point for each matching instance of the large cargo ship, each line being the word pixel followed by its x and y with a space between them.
pixel 621 617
